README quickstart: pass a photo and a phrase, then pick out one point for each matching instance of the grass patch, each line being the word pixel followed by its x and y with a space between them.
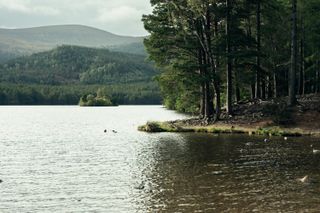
pixel 162 127
pixel 277 131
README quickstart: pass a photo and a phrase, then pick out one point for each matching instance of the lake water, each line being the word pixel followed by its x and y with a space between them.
pixel 59 159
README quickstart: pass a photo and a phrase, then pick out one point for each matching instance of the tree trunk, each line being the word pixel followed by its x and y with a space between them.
pixel 208 102
pixel 202 101
pixel 217 102
pixel 216 83
pixel 253 89
pixel 275 83
pixel 317 83
pixel 258 59
pixel 269 88
pixel 249 35
pixel 302 63
pixel 263 86
pixel 237 86
pixel 229 61
pixel 206 78
pixel 293 68
pixel 301 72
pixel 202 86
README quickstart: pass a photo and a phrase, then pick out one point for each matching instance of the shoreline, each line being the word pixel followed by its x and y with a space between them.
pixel 254 117
pixel 181 126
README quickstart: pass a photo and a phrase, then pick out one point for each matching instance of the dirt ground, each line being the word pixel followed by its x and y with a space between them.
pixel 257 113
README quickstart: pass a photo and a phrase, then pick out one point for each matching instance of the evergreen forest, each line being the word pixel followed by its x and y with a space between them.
pixel 214 54
pixel 65 74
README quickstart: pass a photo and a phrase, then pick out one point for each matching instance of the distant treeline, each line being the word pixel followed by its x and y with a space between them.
pixel 22 94
pixel 62 76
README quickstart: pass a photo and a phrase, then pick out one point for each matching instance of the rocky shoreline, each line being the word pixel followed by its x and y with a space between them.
pixel 272 118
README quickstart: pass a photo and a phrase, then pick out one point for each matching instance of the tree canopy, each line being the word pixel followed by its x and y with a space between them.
pixel 215 53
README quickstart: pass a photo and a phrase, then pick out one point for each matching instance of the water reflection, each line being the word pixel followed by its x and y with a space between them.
pixel 206 173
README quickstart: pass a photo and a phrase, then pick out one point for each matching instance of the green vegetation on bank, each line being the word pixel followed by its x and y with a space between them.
pixel 177 126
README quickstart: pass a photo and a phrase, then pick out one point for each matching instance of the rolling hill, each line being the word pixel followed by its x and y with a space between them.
pixel 64 74
pixel 77 65
pixel 21 42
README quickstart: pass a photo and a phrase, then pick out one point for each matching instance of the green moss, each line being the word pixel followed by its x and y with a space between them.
pixel 162 127
pixel 277 131
pixel 272 131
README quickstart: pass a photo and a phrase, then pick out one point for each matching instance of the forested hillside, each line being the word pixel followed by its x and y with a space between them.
pixel 214 54
pixel 21 42
pixel 74 65
pixel 63 75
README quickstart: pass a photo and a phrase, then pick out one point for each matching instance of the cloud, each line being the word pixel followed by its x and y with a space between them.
pixel 13 5
pixel 116 16
pixel 26 6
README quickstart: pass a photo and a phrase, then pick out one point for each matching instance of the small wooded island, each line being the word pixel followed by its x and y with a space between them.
pixel 238 66
pixel 101 98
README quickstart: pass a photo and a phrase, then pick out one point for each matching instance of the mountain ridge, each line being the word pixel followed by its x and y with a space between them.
pixel 67 25
pixel 26 41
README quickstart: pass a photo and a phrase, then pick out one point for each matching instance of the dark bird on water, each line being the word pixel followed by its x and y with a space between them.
pixel 141 186
pixel 1 181
pixel 105 131
pixel 114 131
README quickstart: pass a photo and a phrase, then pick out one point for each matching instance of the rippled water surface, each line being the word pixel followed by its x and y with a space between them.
pixel 59 159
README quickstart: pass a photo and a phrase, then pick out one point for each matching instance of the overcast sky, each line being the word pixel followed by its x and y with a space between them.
pixel 116 16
